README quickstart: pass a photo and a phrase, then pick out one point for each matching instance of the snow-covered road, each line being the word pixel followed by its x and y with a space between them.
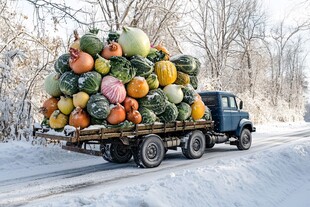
pixel 274 172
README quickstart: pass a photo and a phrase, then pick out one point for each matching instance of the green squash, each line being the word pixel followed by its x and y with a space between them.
pixel 155 55
pixel 68 83
pixel 148 116
pixel 194 81
pixel 51 84
pixel 184 110
pixel 102 65
pixel 91 44
pixel 113 37
pixel 95 121
pixel 144 67
pixel 207 115
pixel 189 94
pixel 170 114
pixel 61 65
pixel 122 69
pixel 152 81
pixel 182 79
pixel 98 106
pixel 90 82
pixel 155 100
pixel 186 63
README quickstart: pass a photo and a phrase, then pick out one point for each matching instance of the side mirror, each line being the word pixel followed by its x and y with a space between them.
pixel 241 105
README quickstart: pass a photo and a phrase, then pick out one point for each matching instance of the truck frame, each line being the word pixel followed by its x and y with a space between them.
pixel 147 144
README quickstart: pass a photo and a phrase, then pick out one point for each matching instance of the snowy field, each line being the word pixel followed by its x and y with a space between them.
pixel 274 172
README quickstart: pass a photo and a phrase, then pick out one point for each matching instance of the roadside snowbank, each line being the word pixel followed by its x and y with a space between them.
pixel 274 177
pixel 264 179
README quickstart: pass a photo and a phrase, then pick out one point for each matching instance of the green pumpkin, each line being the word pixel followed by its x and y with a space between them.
pixel 194 81
pixel 186 63
pixel 98 106
pixel 61 65
pixel 68 83
pixel 148 116
pixel 144 67
pixel 51 84
pixel 95 121
pixel 113 37
pixel 170 114
pixel 155 100
pixel 122 69
pixel 207 115
pixel 152 81
pixel 189 94
pixel 184 110
pixel 91 44
pixel 90 82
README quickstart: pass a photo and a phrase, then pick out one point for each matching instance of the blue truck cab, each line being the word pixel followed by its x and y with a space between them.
pixel 230 121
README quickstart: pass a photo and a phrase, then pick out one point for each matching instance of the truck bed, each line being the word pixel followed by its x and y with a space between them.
pixel 98 132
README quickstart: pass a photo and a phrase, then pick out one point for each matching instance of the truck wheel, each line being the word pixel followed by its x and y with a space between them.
pixel 116 153
pixel 150 152
pixel 245 140
pixel 195 146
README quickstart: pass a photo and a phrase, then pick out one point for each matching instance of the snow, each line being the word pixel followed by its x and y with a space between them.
pixel 274 172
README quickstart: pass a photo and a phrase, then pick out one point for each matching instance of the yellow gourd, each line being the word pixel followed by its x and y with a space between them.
pixel 198 109
pixel 166 72
pixel 182 79
pixel 80 99
pixel 65 105
pixel 58 120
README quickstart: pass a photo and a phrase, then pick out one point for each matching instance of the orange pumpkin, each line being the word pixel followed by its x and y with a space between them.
pixel 198 109
pixel 137 87
pixel 166 72
pixel 49 106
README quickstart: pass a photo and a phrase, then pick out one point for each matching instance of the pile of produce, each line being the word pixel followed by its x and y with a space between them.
pixel 120 82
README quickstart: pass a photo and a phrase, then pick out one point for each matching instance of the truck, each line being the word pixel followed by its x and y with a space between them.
pixel 147 144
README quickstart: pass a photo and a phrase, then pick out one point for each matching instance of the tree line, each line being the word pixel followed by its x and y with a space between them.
pixel 240 50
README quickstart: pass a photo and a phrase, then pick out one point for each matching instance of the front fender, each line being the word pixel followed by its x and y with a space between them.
pixel 244 123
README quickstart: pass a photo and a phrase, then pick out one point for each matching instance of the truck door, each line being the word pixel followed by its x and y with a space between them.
pixel 231 115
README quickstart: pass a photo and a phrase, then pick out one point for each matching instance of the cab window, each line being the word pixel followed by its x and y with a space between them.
pixel 225 102
pixel 232 102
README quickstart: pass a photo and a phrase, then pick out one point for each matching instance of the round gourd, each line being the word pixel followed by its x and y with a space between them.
pixel 49 106
pixel 174 93
pixel 65 105
pixel 134 42
pixel 79 118
pixel 155 100
pixel 198 109
pixel 62 63
pixel 170 114
pixel 98 106
pixel 166 72
pixel 68 83
pixel 137 87
pixel 58 120
pixel 148 116
pixel 51 84
pixel 91 44
pixel 182 79
pixel 121 69
pixel 80 99
pixel 102 65
pixel 152 81
pixel 89 82
pixel 184 110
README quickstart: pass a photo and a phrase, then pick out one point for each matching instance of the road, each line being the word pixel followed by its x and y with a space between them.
pixel 48 183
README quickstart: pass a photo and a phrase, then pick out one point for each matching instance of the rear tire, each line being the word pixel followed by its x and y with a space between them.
pixel 116 153
pixel 195 146
pixel 245 140
pixel 150 152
